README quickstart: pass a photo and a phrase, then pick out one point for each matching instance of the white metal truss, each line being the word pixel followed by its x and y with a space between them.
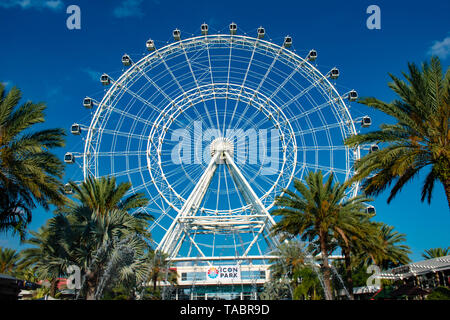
pixel 187 219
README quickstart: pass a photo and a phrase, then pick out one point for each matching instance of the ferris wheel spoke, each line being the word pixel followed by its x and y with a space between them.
pixel 128 171
pixel 139 187
pixel 261 83
pixel 196 173
pixel 245 79
pixel 127 153
pixel 210 68
pixel 285 81
pixel 228 84
pixel 129 115
pixel 196 84
pixel 324 168
pixel 260 176
pixel 169 70
pixel 314 109
pixel 141 99
pixel 162 92
pixel 318 129
pixel 124 134
pixel 321 148
pixel 299 95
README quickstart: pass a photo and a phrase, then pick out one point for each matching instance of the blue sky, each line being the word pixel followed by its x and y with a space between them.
pixel 51 63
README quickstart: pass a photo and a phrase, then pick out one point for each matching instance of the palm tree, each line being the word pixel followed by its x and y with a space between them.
pixel 103 194
pixel 159 269
pixel 101 239
pixel 393 252
pixel 290 257
pixel 309 287
pixel 436 253
pixel 420 138
pixel 362 236
pixel 15 212
pixel 30 174
pixel 9 261
pixel 102 220
pixel 50 254
pixel 319 212
pixel 97 234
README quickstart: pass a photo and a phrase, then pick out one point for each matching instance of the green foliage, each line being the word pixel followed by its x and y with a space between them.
pixel 9 261
pixel 395 254
pixel 360 276
pixel 436 253
pixel 321 212
pixel 309 287
pixel 103 194
pixel 276 289
pixel 389 252
pixel 420 138
pixel 30 174
pixel 440 293
pixel 96 233
pixel 159 270
pixel 291 256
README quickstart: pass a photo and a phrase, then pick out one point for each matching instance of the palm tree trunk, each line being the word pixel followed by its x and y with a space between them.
pixel 91 285
pixel 348 272
pixel 325 267
pixel 53 287
pixel 155 279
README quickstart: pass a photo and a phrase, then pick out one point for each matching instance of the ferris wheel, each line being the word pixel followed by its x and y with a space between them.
pixel 212 128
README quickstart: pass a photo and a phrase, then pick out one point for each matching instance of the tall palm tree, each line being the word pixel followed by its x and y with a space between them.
pixel 9 260
pixel 420 139
pixel 320 212
pixel 30 174
pixel 436 253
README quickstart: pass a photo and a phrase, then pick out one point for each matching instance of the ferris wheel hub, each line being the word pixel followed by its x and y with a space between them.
pixel 221 145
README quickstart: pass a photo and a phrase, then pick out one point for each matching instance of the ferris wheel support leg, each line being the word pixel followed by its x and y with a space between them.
pixel 251 198
pixel 174 234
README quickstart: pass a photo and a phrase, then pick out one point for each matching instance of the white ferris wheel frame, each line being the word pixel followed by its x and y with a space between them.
pixel 261 220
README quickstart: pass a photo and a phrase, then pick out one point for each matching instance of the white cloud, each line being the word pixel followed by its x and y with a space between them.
pixel 94 75
pixel 441 48
pixel 129 8
pixel 32 4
